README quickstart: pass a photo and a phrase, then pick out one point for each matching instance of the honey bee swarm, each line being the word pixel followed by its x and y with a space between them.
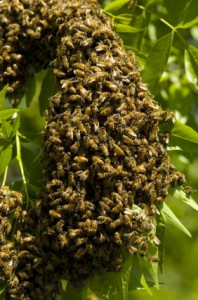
pixel 102 151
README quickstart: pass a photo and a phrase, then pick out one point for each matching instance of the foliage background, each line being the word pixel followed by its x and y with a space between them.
pixel 164 36
pixel 176 90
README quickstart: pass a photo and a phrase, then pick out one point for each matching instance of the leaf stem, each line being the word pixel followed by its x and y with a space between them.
pixel 19 159
pixel 5 176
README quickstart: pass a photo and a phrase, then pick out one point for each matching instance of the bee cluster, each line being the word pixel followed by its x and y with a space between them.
pixel 23 267
pixel 103 153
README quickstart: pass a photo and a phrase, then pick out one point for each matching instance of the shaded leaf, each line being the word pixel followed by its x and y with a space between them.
pixel 190 71
pixel 71 293
pixel 184 137
pixel 48 89
pixel 122 278
pixel 160 233
pixel 5 157
pixel 157 61
pixel 31 90
pixel 171 218
pixel 2 94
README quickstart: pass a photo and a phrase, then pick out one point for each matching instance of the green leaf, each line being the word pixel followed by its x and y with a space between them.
pixel 127 28
pixel 122 278
pixel 194 52
pixel 114 6
pixel 152 267
pixel 171 218
pixel 160 233
pixel 191 73
pixel 31 90
pixel 179 194
pixel 7 130
pixel 145 285
pixel 5 157
pixel 184 136
pixel 188 24
pixel 2 94
pixel 123 18
pixel 7 113
pixel 188 17
pixel 48 89
pixel 157 61
pixel 71 293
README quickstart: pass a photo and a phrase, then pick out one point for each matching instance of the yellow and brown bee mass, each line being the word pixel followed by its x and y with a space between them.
pixel 102 152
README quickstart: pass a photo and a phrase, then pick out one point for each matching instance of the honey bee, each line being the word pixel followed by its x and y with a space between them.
pixel 104 149
pixel 75 147
pixel 54 214
pixel 82 91
pixel 66 40
pixel 97 160
pixel 80 241
pixel 80 253
pixel 59 226
pixel 7 246
pixel 75 98
pixel 80 159
pixel 86 42
pixel 82 175
pixel 73 233
pixel 79 73
pixel 132 250
pixel 25 254
pixel 117 209
pixel 117 238
pixel 104 206
pixel 118 150
pixel 154 239
pixel 22 275
pixel 64 241
pixel 28 239
pixel 154 258
pixel 106 111
pixel 90 143
pixel 116 223
pixel 127 220
pixel 9 268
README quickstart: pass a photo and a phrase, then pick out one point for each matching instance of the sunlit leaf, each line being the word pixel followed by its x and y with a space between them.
pixel 145 284
pixel 2 94
pixel 179 194
pixel 126 28
pixel 184 137
pixel 171 218
pixel 115 6
pixel 190 71
pixel 188 17
pixel 5 157
pixel 157 61
pixel 123 18
pixel 188 24
pixel 7 113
